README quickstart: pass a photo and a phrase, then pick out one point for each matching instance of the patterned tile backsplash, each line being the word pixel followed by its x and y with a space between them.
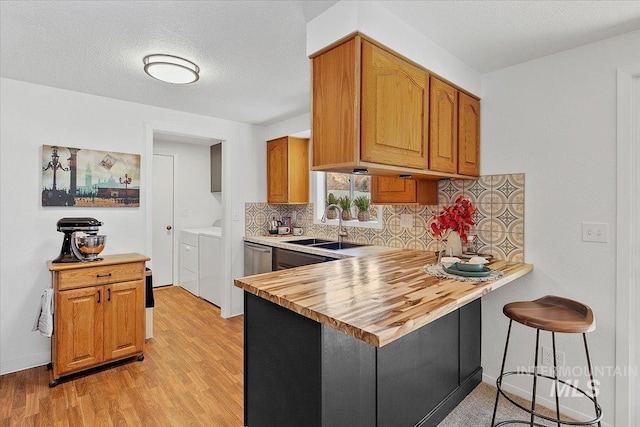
pixel 499 218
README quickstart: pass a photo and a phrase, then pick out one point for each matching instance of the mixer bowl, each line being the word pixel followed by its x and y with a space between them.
pixel 90 246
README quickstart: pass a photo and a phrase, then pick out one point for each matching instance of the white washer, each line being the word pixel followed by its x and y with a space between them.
pixel 210 272
pixel 189 260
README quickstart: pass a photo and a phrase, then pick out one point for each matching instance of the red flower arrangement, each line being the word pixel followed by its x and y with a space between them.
pixel 456 217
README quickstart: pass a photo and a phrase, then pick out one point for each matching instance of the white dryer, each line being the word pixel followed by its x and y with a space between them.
pixel 210 271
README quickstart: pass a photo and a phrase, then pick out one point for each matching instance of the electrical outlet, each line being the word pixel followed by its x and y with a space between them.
pixel 406 220
pixel 594 232
pixel 547 356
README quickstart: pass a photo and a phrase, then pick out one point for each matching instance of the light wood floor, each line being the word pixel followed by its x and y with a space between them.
pixel 191 376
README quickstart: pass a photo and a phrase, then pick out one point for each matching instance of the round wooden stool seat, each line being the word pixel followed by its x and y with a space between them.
pixel 552 313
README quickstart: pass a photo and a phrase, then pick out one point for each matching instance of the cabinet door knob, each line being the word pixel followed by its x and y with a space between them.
pixel 98 297
pixel 168 227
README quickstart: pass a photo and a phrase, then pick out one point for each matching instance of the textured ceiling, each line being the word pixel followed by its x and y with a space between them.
pixel 252 53
pixel 490 35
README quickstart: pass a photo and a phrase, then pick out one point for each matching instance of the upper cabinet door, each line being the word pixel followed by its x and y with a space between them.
pixel 443 129
pixel 395 103
pixel 386 190
pixel 468 135
pixel 288 170
pixel 277 171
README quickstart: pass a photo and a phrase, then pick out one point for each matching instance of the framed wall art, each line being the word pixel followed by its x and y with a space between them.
pixel 89 178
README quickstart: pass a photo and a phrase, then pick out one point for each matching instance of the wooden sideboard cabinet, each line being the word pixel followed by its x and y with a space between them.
pixel 288 170
pixel 99 313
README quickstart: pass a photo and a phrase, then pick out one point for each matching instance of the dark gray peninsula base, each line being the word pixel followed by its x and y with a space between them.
pixel 299 372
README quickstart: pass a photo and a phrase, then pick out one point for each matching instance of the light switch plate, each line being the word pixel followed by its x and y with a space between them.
pixel 406 220
pixel 595 232
pixel 236 216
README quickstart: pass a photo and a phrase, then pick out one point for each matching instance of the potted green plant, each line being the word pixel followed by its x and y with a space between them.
pixel 331 200
pixel 345 203
pixel 362 203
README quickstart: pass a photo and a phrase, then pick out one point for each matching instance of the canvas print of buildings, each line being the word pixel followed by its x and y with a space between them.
pixel 79 177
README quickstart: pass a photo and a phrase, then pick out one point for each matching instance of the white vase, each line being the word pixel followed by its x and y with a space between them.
pixel 454 243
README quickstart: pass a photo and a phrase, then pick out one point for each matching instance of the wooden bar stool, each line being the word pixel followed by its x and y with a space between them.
pixel 554 314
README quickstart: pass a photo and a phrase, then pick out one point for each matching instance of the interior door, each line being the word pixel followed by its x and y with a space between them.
pixel 162 211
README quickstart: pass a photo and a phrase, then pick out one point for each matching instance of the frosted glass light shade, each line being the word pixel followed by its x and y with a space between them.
pixel 171 69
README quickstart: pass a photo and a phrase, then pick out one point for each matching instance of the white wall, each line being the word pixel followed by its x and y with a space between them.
pixel 34 115
pixel 374 20
pixel 554 119
pixel 293 126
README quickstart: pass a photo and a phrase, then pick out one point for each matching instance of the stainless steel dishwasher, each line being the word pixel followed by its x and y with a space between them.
pixel 257 259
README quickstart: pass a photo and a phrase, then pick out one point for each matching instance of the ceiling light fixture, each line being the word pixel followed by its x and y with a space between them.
pixel 171 69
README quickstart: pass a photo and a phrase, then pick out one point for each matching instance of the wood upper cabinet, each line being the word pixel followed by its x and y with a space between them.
pixel 395 105
pixel 391 191
pixel 335 101
pixel 443 128
pixel 468 135
pixel 288 170
pixel 99 313
pixel 373 109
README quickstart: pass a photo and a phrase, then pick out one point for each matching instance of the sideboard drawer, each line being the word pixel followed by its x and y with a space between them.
pixel 99 275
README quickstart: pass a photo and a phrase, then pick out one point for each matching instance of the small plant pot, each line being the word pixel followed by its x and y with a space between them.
pixel 364 216
pixel 331 214
pixel 346 215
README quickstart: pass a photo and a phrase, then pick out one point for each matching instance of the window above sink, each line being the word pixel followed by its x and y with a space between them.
pixel 352 185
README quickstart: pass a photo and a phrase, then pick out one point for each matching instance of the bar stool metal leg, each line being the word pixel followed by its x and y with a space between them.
pixel 591 385
pixel 555 375
pixel 535 377
pixel 504 359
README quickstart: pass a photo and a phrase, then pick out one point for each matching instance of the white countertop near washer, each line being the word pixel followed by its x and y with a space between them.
pixel 285 243
pixel 208 231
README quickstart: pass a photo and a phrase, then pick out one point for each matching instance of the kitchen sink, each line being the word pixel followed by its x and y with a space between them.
pixel 338 245
pixel 311 242
pixel 326 244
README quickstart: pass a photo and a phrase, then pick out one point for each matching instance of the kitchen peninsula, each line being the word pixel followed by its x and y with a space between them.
pixel 367 341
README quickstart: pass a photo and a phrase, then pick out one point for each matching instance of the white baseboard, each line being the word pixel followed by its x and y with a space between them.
pixel 20 364
pixel 526 394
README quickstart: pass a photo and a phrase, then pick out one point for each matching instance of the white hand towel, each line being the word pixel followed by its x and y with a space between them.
pixel 44 317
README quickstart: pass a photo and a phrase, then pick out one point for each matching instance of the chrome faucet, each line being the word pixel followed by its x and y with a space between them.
pixel 342 232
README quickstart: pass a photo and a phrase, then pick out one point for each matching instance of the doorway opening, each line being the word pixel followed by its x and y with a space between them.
pixel 627 390
pixel 181 196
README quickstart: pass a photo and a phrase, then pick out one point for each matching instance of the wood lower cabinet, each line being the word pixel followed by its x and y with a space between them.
pixel 391 191
pixel 78 330
pixel 288 170
pixel 99 313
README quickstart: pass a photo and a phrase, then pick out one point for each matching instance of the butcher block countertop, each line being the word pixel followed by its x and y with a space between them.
pixel 377 298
